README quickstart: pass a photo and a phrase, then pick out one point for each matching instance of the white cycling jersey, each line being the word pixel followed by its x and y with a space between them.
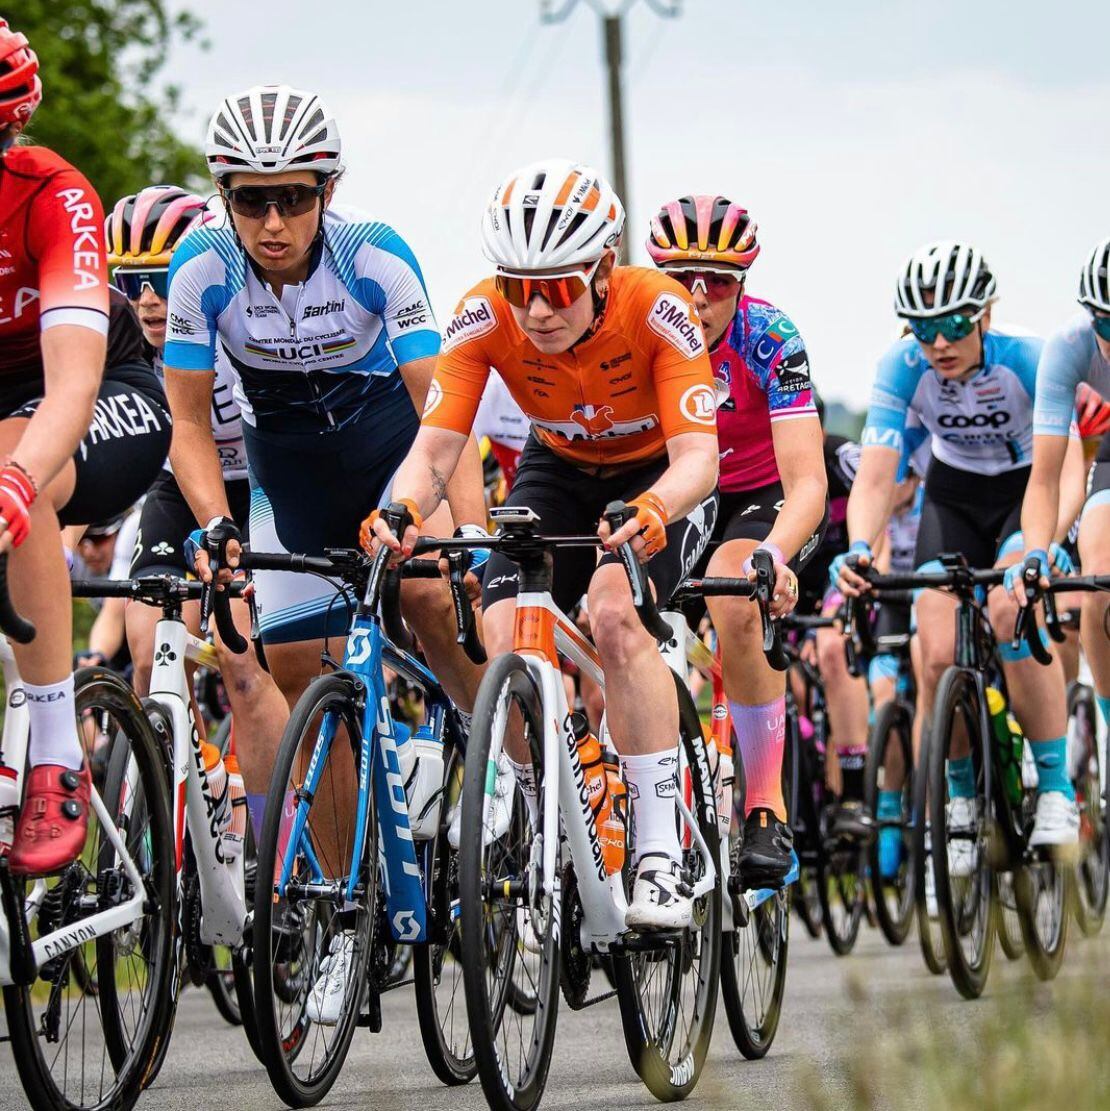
pixel 1070 357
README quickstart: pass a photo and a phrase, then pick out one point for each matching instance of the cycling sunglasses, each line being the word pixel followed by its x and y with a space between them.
pixel 717 283
pixel 560 291
pixel 131 283
pixel 953 326
pixel 254 201
pixel 1101 326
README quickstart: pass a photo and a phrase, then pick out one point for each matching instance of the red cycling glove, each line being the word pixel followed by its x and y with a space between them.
pixel 17 495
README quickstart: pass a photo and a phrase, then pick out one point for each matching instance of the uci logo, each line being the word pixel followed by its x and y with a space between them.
pixel 979 420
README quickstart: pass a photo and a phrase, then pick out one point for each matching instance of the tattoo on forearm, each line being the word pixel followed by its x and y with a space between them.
pixel 439 484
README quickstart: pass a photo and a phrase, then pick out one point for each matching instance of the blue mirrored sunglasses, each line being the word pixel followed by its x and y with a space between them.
pixel 954 326
pixel 132 282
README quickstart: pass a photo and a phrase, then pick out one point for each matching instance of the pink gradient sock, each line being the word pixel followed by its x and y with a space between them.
pixel 761 732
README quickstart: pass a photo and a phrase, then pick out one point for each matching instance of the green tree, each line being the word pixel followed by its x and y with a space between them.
pixel 101 108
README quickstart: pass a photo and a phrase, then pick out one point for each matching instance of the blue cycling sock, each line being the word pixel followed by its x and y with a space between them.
pixel 890 804
pixel 1104 706
pixel 1052 766
pixel 961 778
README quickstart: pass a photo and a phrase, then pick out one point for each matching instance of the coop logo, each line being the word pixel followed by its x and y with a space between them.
pixel 979 420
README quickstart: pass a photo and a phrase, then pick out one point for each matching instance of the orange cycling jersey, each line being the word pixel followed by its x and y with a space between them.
pixel 52 263
pixel 615 398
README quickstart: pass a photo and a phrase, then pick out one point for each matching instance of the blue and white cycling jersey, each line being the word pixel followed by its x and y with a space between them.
pixel 325 353
pixel 983 425
pixel 1071 356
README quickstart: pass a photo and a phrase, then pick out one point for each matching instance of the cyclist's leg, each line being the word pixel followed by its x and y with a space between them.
pixel 1094 550
pixel 1037 695
pixel 112 468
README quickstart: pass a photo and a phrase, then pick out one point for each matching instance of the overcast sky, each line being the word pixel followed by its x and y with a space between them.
pixel 853 131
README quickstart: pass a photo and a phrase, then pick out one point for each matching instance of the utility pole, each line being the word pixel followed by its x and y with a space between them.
pixel 612 13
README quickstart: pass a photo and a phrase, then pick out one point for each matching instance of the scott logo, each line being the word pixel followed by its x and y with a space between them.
pixel 979 420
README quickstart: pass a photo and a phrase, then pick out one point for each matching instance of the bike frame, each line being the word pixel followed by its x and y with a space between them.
pixel 223 898
pixel 13 753
pixel 542 630
pixel 407 890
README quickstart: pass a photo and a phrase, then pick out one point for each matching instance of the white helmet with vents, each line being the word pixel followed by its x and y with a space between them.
pixel 943 277
pixel 551 213
pixel 1094 281
pixel 269 129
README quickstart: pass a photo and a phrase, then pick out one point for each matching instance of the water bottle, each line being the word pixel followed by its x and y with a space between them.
pixel 424 793
pixel 9 805
pixel 593 767
pixel 613 829
pixel 219 805
pixel 1008 742
pixel 237 794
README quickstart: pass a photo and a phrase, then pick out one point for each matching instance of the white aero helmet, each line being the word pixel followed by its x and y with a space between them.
pixel 1094 280
pixel 943 277
pixel 551 213
pixel 269 129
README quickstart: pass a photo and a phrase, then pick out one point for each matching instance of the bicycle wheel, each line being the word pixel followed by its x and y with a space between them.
pixel 668 994
pixel 890 768
pixel 924 879
pixel 509 926
pixel 294 934
pixel 842 891
pixel 1084 760
pixel 961 851
pixel 753 974
pixel 1044 898
pixel 437 964
pixel 807 902
pixel 1009 928
pixel 74 1049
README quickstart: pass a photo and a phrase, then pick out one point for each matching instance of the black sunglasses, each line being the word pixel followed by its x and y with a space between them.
pixel 254 201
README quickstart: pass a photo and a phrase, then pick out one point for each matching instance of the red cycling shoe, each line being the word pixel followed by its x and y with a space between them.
pixel 53 822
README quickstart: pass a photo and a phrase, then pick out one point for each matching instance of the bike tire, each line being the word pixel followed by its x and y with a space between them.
pixel 668 1057
pixel 129 1043
pixel 491 942
pixel 1092 886
pixel 1010 938
pixel 894 897
pixel 928 927
pixel 958 695
pixel 1045 894
pixel 286 1034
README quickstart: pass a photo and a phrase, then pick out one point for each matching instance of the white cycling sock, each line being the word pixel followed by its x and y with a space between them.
pixel 53 722
pixel 651 787
pixel 526 781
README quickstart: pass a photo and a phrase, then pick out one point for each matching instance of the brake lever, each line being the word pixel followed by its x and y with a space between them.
pixel 1025 628
pixel 458 563
pixel 1052 619
pixel 763 563
pixel 852 618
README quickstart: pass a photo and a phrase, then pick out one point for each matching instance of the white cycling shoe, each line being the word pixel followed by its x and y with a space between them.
pixel 499 813
pixel 1056 821
pixel 961 851
pixel 325 1001
pixel 661 897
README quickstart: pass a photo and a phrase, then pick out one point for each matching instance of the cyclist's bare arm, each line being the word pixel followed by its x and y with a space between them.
pixel 870 502
pixel 805 485
pixel 73 366
pixel 465 488
pixel 1040 509
pixel 692 474
pixel 1073 487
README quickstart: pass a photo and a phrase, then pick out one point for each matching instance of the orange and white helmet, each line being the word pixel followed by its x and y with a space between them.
pixel 703 228
pixel 551 213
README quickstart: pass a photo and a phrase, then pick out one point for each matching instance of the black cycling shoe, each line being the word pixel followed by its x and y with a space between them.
pixel 852 821
pixel 765 858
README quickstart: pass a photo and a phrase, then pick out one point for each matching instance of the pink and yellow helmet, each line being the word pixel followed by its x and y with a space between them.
pixel 703 229
pixel 143 229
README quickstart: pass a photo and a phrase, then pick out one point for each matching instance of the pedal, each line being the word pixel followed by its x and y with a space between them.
pixel 650 941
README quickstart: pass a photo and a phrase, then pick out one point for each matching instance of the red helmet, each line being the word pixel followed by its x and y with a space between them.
pixel 1092 413
pixel 20 87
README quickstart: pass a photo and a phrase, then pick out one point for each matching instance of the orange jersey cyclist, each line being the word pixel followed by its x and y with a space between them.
pixel 610 366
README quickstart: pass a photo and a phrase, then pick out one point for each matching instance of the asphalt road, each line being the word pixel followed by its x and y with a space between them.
pixel 833 1006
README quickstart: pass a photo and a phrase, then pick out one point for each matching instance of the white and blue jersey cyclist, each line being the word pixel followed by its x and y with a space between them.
pixel 981 428
pixel 327 418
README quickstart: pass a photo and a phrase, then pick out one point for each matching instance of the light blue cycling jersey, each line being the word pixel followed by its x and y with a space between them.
pixel 326 352
pixel 983 425
pixel 1071 356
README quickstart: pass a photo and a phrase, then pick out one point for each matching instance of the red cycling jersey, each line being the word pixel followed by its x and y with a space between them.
pixel 52 264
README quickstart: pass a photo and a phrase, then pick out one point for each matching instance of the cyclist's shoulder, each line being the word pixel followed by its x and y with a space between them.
pixel 903 361
pixel 32 164
pixel 1011 345
pixel 655 311
pixel 768 331
pixel 59 196
pixel 1072 343
pixel 357 240
pixel 480 313
pixel 213 243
